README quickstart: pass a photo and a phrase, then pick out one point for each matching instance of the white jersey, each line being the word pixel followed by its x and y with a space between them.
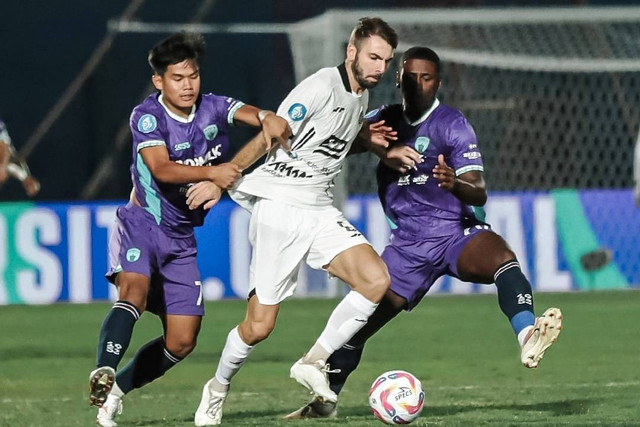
pixel 325 118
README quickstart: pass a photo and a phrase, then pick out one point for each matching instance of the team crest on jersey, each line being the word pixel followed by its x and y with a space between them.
pixel 297 112
pixel 371 113
pixel 422 143
pixel 147 123
pixel 210 132
pixel 133 254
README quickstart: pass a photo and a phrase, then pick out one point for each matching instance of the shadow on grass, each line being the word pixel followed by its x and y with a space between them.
pixel 273 416
pixel 561 407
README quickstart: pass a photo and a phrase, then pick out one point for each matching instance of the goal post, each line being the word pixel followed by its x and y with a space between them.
pixel 550 91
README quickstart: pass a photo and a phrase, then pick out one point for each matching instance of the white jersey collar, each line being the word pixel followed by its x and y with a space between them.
pixel 424 116
pixel 176 117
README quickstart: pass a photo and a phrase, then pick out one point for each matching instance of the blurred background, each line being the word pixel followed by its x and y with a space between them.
pixel 551 87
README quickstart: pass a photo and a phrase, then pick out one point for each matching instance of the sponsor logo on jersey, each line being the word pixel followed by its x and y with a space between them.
pixel 133 254
pixel 210 132
pixel 283 169
pixel 182 146
pixel 332 147
pixel 404 180
pixel 209 156
pixel 338 109
pixel 147 123
pixel 297 112
pixel 421 144
pixel 420 179
pixel 472 155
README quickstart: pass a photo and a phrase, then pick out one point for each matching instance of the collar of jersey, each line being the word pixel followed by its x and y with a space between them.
pixel 176 117
pixel 424 116
pixel 344 76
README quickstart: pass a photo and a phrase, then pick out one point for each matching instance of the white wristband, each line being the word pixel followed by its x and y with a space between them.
pixel 17 172
pixel 263 114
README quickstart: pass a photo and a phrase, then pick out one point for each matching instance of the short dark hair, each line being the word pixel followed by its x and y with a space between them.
pixel 175 49
pixel 367 27
pixel 420 52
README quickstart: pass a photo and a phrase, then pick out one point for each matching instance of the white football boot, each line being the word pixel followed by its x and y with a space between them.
pixel 107 413
pixel 540 337
pixel 100 384
pixel 209 412
pixel 317 408
pixel 313 376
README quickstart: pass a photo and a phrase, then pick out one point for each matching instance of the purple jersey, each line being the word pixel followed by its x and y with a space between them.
pixel 414 204
pixel 198 140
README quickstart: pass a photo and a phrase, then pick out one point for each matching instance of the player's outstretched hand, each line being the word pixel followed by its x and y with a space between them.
pixel 276 129
pixel 225 175
pixel 445 174
pixel 402 158
pixel 31 186
pixel 381 135
pixel 203 193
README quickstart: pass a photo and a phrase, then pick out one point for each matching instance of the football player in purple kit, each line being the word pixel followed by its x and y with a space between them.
pixel 430 183
pixel 180 136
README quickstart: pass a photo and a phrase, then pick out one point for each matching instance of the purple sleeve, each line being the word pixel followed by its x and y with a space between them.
pixel 374 115
pixel 224 108
pixel 146 129
pixel 465 153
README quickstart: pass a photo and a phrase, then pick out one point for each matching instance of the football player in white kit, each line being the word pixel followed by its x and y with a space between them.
pixel 293 220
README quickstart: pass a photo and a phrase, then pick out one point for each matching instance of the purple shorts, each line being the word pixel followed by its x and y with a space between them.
pixel 414 265
pixel 138 245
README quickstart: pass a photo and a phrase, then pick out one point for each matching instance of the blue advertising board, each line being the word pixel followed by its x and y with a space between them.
pixel 57 252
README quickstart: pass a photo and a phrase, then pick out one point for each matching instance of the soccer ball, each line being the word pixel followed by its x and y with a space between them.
pixel 396 397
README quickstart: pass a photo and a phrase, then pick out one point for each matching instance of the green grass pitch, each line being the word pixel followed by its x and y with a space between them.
pixel 461 347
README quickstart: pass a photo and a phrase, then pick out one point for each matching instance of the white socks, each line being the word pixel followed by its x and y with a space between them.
pixel 523 334
pixel 234 354
pixel 349 316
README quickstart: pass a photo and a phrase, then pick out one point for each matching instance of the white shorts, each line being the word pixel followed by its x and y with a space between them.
pixel 283 236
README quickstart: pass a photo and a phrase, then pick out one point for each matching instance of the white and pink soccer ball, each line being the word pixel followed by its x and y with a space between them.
pixel 396 397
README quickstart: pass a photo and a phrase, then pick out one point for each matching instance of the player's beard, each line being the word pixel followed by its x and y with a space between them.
pixel 358 74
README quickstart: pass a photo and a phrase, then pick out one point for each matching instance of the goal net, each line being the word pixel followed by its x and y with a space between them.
pixel 553 93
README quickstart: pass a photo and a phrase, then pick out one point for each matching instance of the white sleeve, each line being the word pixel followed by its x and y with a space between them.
pixel 303 102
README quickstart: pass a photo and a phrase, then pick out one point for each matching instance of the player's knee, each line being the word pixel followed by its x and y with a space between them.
pixel 502 256
pixel 132 291
pixel 181 347
pixel 254 332
pixel 376 285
